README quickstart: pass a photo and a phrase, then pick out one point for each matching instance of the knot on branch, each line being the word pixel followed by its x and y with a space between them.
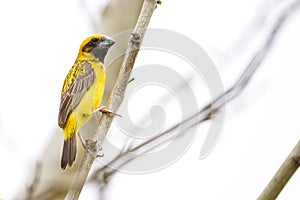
pixel 136 39
pixel 92 146
pixel 297 159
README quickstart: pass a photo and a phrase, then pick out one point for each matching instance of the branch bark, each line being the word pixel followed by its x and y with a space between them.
pixel 283 175
pixel 114 101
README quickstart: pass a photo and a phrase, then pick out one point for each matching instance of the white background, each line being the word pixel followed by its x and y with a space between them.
pixel 39 42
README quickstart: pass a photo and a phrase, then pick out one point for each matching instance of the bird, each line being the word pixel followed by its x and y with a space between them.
pixel 82 93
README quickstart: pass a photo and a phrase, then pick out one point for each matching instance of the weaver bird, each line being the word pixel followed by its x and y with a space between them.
pixel 82 93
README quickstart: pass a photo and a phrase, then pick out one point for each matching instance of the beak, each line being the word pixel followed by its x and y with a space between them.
pixel 106 42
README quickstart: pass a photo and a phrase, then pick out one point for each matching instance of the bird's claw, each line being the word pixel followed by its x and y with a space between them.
pixel 106 111
pixel 100 155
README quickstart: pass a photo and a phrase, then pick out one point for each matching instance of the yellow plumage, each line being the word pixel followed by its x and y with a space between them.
pixel 88 103
pixel 82 92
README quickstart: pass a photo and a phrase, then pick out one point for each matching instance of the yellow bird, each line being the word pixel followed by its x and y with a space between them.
pixel 82 93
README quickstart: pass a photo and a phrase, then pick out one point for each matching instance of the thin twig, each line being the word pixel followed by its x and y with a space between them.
pixel 31 188
pixel 114 101
pixel 283 175
pixel 207 111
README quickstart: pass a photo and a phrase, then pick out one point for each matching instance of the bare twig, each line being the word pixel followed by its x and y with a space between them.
pixel 114 100
pixel 31 188
pixel 213 107
pixel 283 175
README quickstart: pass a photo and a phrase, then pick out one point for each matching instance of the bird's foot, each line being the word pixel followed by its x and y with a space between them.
pixel 84 143
pixel 106 111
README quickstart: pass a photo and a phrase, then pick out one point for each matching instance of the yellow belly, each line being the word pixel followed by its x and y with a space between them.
pixel 89 102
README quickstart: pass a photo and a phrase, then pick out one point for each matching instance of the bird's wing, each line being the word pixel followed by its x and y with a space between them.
pixel 78 81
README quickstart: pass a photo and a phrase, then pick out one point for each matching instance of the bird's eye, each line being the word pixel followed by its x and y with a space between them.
pixel 94 40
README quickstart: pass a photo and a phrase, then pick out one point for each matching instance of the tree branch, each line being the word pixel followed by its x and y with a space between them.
pixel 283 175
pixel 114 101
pixel 207 111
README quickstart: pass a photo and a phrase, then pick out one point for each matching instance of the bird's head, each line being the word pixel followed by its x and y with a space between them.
pixel 96 45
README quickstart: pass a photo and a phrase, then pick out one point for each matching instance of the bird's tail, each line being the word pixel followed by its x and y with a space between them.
pixel 69 152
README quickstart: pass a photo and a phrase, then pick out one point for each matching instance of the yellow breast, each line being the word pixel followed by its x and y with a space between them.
pixel 89 102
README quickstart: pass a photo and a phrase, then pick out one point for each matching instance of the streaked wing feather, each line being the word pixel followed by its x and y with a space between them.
pixel 72 94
